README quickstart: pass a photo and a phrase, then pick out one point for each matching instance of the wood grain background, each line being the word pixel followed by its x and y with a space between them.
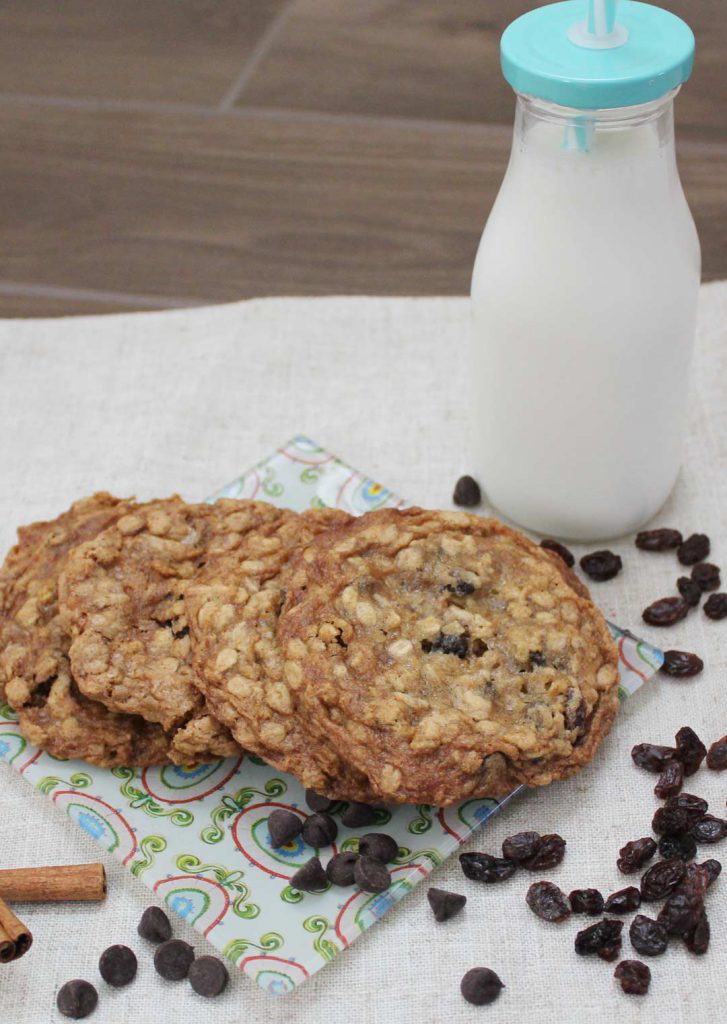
pixel 158 153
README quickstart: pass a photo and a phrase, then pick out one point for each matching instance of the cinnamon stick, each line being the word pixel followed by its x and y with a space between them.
pixel 15 938
pixel 72 882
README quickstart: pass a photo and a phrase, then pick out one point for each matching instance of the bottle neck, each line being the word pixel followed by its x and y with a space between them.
pixel 566 130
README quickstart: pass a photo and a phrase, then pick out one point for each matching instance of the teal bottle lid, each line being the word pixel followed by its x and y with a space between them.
pixel 595 54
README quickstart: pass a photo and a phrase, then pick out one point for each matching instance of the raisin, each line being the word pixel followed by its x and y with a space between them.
pixel 611 951
pixel 560 549
pixel 682 910
pixel 450 643
pixel 690 749
pixel 603 933
pixel 586 901
pixel 535 660
pixel 706 576
pixel 698 877
pixel 652 757
pixel 633 976
pixel 601 565
pixel 467 493
pixel 635 854
pixel 481 867
pixel 684 846
pixel 648 937
pixel 715 607
pixel 717 755
pixel 658 540
pixel 522 846
pixel 709 829
pixel 670 821
pixel 712 868
pixel 681 664
pixel 623 901
pixel 695 806
pixel 666 611
pixel 697 938
pixel 548 901
pixel 548 855
pixel 694 549
pixel 690 591
pixel 462 588
pixel 670 780
pixel 661 879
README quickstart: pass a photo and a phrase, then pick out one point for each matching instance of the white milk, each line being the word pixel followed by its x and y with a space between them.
pixel 584 294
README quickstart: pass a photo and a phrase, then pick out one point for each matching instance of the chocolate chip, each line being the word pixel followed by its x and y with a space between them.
pixel 283 827
pixel 560 549
pixel 154 925
pixel 371 875
pixel 445 905
pixel 480 986
pixel 690 591
pixel 319 830
pixel 208 976
pixel 358 816
pixel 339 869
pixel 117 966
pixel 76 999
pixel 379 846
pixel 706 576
pixel 310 877
pixel 316 802
pixel 467 492
pixel 173 959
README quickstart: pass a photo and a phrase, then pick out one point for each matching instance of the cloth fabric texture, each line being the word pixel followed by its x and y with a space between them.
pixel 153 403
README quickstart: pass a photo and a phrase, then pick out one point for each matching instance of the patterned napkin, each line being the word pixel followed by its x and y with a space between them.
pixel 198 838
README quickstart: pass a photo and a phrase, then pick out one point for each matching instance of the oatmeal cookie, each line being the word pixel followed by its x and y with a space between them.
pixel 446 656
pixel 122 602
pixel 233 607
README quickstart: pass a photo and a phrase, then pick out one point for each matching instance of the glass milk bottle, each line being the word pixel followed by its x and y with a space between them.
pixel 584 289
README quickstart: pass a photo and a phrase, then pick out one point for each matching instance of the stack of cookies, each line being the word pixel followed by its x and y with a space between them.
pixel 402 657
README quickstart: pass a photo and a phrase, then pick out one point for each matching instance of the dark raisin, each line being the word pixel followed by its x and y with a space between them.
pixel 661 879
pixel 480 986
pixel 695 806
pixel 467 492
pixel 481 867
pixel 681 910
pixel 648 937
pixel 548 901
pixel 611 951
pixel 697 938
pixel 623 901
pixel 690 591
pixel 633 976
pixel 709 829
pixel 670 821
pixel 548 855
pixel 698 877
pixel 694 549
pixel 666 611
pixel 706 576
pixel 717 755
pixel 635 854
pixel 712 868
pixel 670 780
pixel 522 846
pixel 658 540
pixel 445 905
pixel 683 846
pixel 603 933
pixel 715 607
pixel 652 757
pixel 586 901
pixel 601 565
pixel 560 549
pixel 690 749
pixel 681 664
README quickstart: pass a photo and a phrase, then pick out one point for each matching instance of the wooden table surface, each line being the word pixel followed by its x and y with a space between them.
pixel 159 153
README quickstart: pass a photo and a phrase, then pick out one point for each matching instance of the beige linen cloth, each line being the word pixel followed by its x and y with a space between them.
pixel 152 403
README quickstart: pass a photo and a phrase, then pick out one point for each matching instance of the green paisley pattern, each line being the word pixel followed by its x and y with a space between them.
pixel 163 824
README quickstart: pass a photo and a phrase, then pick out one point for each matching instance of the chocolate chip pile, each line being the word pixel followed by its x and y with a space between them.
pixel 173 960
